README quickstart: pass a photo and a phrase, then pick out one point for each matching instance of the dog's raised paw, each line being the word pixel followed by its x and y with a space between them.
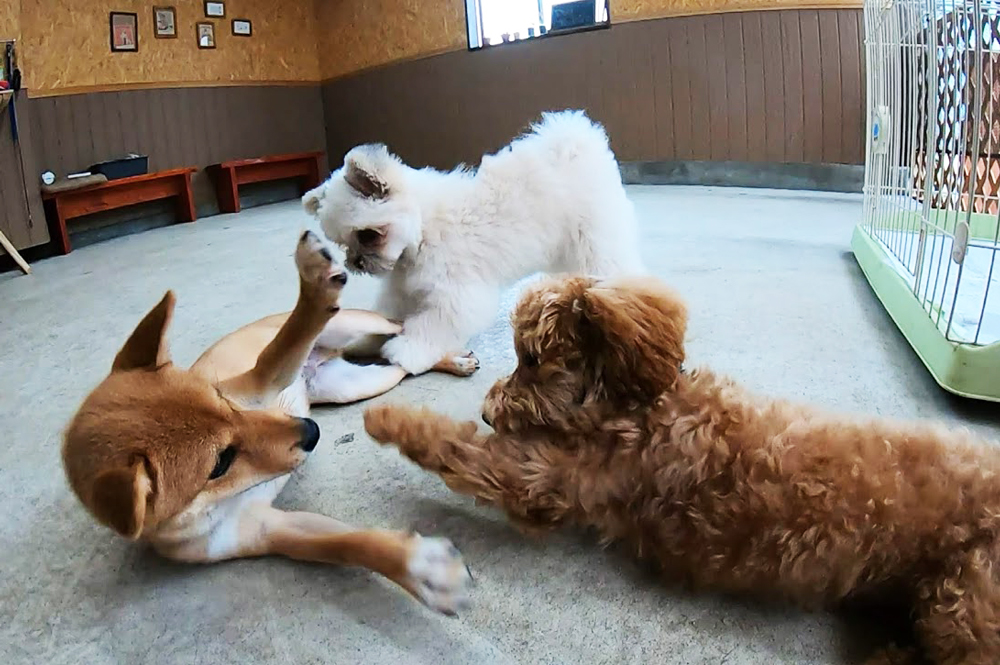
pixel 438 575
pixel 318 270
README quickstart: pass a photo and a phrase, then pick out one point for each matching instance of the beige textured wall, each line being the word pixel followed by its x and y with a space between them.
pixel 359 34
pixel 10 19
pixel 66 45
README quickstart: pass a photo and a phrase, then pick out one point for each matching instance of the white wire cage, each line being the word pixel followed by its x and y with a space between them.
pixel 930 239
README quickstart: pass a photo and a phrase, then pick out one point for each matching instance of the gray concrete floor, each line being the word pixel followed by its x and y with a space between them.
pixel 776 299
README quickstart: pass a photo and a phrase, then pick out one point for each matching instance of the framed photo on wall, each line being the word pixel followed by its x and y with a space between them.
pixel 124 31
pixel 206 34
pixel 215 9
pixel 164 22
pixel 242 27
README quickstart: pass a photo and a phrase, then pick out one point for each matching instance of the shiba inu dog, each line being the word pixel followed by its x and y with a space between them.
pixel 191 460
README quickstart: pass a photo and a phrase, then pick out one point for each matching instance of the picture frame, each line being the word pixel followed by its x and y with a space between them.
pixel 205 34
pixel 123 29
pixel 165 22
pixel 215 9
pixel 242 27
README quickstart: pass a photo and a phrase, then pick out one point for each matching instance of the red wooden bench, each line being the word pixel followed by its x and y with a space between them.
pixel 64 205
pixel 228 176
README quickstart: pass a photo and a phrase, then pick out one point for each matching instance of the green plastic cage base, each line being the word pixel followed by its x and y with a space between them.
pixel 963 369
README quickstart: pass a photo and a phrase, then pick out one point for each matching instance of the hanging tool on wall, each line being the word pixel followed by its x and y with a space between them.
pixel 14 82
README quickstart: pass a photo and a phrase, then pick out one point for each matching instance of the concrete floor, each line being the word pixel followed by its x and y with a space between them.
pixel 776 299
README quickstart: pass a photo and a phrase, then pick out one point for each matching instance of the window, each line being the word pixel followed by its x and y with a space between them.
pixel 492 22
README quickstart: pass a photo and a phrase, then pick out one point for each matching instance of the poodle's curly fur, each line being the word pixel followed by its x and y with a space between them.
pixel 600 426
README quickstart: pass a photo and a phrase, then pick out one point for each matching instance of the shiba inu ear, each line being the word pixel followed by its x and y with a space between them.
pixel 363 170
pixel 120 496
pixel 146 348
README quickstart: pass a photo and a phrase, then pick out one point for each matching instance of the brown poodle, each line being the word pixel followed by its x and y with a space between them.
pixel 600 426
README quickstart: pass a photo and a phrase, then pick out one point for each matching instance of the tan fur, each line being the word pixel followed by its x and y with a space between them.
pixel 600 427
pixel 144 450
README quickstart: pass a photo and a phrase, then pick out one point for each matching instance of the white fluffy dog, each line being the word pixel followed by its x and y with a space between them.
pixel 448 243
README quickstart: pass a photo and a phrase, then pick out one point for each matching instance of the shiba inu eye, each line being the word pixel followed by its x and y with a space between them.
pixel 222 465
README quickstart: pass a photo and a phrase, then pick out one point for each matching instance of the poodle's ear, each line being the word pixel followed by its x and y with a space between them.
pixel 312 199
pixel 636 332
pixel 365 170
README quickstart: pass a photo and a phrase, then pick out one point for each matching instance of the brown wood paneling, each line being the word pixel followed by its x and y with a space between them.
pixel 21 217
pixel 833 97
pixel 756 111
pixel 815 80
pixel 776 86
pixel 853 80
pixel 736 84
pixel 793 95
pixel 678 40
pixel 174 127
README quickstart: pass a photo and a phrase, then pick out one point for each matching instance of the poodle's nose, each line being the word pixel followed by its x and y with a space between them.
pixel 486 420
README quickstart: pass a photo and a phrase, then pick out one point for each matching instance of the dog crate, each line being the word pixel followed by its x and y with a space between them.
pixel 928 241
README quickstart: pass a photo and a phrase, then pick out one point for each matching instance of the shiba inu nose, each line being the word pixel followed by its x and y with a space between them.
pixel 310 434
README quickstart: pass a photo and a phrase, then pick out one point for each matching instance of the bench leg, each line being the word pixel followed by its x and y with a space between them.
pixel 311 179
pixel 185 201
pixel 57 227
pixel 226 191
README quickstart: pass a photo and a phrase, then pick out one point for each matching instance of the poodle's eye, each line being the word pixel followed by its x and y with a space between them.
pixel 223 463
pixel 529 360
pixel 369 237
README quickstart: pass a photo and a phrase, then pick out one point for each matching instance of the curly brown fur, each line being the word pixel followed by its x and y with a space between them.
pixel 599 427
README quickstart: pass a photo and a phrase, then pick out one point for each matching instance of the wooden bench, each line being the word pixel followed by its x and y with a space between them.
pixel 64 205
pixel 228 176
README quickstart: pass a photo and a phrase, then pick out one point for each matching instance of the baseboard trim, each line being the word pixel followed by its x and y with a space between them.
pixel 817 177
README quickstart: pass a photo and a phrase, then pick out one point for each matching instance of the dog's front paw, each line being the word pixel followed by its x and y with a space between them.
pixel 437 574
pixel 464 364
pixel 322 278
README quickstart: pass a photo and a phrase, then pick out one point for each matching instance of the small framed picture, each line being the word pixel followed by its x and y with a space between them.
pixel 164 22
pixel 242 27
pixel 215 9
pixel 124 31
pixel 206 34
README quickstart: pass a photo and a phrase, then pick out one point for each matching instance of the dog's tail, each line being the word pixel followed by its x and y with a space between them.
pixel 524 479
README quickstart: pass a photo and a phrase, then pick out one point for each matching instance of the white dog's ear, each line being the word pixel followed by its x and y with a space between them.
pixel 364 170
pixel 312 199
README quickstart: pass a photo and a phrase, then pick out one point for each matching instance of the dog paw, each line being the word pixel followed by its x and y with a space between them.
pixel 438 575
pixel 464 364
pixel 322 277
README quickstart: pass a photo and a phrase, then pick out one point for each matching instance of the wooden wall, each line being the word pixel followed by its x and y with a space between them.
pixel 355 35
pixel 174 126
pixel 775 86
pixel 282 48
